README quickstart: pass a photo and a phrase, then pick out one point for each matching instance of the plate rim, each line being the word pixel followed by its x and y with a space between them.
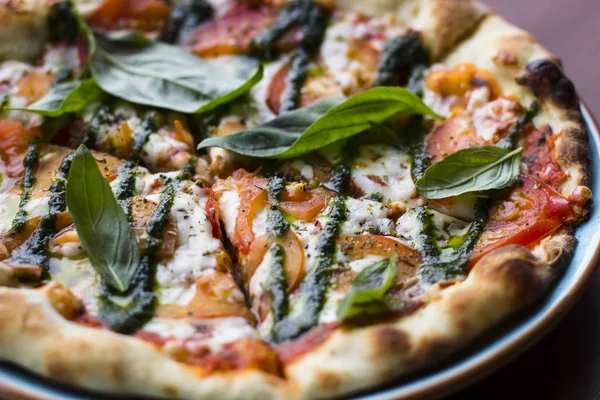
pixel 457 376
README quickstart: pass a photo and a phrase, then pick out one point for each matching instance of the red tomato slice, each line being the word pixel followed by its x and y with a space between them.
pixel 454 134
pixel 14 142
pixel 316 87
pixel 233 32
pixel 214 213
pixel 253 198
pixel 149 16
pixel 532 211
pixel 539 158
pixel 293 261
pixel 34 86
pixel 367 244
pixel 304 205
pixel 210 300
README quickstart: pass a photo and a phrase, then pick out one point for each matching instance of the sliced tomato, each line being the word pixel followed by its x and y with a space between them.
pixel 293 259
pixel 366 55
pixel 34 86
pixel 454 134
pixel 317 86
pixel 532 211
pixel 11 240
pixel 213 299
pixel 14 142
pixel 146 16
pixel 253 198
pixel 304 205
pixel 141 213
pixel 539 157
pixel 359 246
pixel 214 213
pixel 233 32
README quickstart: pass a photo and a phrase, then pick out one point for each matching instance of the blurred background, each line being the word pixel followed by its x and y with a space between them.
pixel 566 363
pixel 570 29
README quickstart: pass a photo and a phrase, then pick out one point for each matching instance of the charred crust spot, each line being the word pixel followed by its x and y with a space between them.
pixel 547 82
pixel 514 267
pixel 505 58
pixel 388 338
pixel 328 381
pixel 170 391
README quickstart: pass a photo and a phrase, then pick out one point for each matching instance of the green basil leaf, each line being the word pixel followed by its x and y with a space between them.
pixel 368 288
pixel 473 169
pixel 65 98
pixel 160 75
pixel 277 135
pixel 101 224
pixel 284 137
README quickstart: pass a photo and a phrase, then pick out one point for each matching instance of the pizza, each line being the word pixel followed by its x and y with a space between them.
pixel 274 199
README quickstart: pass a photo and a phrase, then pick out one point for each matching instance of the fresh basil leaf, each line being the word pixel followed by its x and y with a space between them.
pixel 368 288
pixel 65 98
pixel 160 75
pixel 101 224
pixel 473 169
pixel 277 135
pixel 289 135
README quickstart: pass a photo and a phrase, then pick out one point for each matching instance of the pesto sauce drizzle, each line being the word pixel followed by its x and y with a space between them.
pixel 140 300
pixel 313 19
pixel 126 186
pixel 277 284
pixel 314 287
pixel 427 236
pixel 277 226
pixel 142 134
pixel 402 54
pixel 509 142
pixel 342 171
pixel 185 16
pixel 102 117
pixel 290 98
pixel 435 270
pixel 30 163
pixel 35 249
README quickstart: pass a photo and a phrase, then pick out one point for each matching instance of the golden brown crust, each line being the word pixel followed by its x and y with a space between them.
pixel 43 341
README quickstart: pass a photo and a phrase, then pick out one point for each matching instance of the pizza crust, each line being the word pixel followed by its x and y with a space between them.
pixel 43 341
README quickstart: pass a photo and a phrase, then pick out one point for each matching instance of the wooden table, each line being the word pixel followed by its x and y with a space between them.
pixel 565 365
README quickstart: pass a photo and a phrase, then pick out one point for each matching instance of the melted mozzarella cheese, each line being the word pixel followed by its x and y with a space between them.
pixel 196 248
pixel 79 276
pixel 213 333
pixel 159 148
pixel 409 228
pixel 229 203
pixel 366 215
pixel 9 206
pixel 495 116
pixel 386 170
pixel 259 281
pixel 259 224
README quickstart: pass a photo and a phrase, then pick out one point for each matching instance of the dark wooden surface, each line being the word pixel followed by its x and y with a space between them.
pixel 566 363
